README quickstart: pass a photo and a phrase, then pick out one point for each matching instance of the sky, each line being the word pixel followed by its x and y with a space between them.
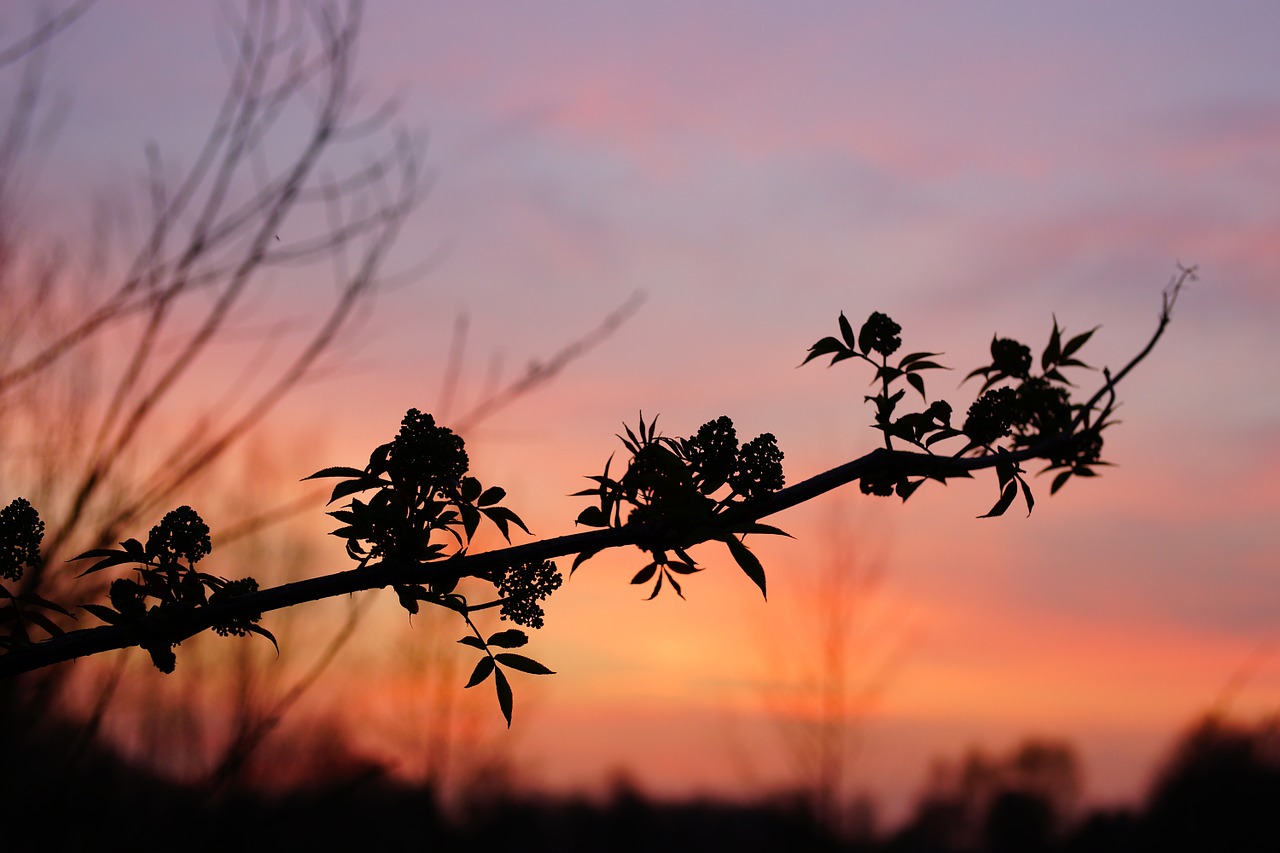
pixel 752 169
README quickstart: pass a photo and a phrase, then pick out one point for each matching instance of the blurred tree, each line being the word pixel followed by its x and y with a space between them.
pixel 1218 789
pixel 129 386
pixel 1021 801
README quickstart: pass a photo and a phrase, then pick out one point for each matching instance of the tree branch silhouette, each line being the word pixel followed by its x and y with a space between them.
pixel 656 532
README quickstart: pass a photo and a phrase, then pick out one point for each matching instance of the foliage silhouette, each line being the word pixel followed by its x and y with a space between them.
pixel 414 534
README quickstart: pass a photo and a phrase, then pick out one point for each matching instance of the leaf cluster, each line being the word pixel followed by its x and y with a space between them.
pixel 21 532
pixel 679 492
pixel 423 514
pixel 168 587
pixel 1017 409
pixel 493 662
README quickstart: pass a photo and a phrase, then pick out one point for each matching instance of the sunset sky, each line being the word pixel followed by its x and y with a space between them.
pixel 753 169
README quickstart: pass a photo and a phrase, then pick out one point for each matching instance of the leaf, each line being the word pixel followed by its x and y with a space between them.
pixel 1075 343
pixel 908 361
pixel 37 618
pixel 917 383
pixel 473 642
pixel 1009 492
pixel 335 472
pixel 906 488
pixel 524 664
pixel 492 495
pixel 351 487
pixel 759 527
pixel 1026 495
pixel 827 346
pixel 846 331
pixel 646 574
pixel 106 614
pixel 470 520
pixel 582 557
pixel 470 489
pixel 674 583
pixel 484 667
pixel 112 558
pixel 39 601
pixel 748 561
pixel 407 600
pixel 500 515
pixel 1053 351
pixel 504 694
pixel 1059 481
pixel 512 638
pixel 263 632
pixel 592 516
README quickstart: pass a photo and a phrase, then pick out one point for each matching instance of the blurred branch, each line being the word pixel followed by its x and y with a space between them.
pixel 540 373
pixel 43 33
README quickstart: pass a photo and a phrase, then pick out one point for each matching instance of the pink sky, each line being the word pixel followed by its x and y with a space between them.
pixel 755 169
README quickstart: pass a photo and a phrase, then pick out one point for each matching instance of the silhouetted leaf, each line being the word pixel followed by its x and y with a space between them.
pixel 909 361
pixel 351 487
pixel 917 383
pixel 1026 495
pixel 846 332
pixel 263 632
pixel 646 574
pixel 1059 481
pixel 827 346
pixel 582 557
pixel 336 472
pixel 593 516
pixel 748 562
pixel 473 642
pixel 906 488
pixel 470 520
pixel 484 667
pixel 504 694
pixel 522 663
pixel 492 495
pixel 1075 343
pixel 760 527
pixel 470 489
pixel 512 638
pixel 37 618
pixel 40 601
pixel 407 600
pixel 1053 351
pixel 1007 495
pixel 500 516
pixel 109 558
pixel 106 614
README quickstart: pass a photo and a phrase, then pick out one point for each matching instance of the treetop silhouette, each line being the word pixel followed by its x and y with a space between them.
pixel 413 510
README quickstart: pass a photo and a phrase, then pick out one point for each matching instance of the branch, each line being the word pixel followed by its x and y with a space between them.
pixel 177 627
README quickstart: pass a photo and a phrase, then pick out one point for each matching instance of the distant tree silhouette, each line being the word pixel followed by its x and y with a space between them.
pixel 1023 801
pixel 1219 790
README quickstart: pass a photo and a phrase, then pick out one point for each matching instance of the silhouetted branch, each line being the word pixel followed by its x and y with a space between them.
pixel 489 564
